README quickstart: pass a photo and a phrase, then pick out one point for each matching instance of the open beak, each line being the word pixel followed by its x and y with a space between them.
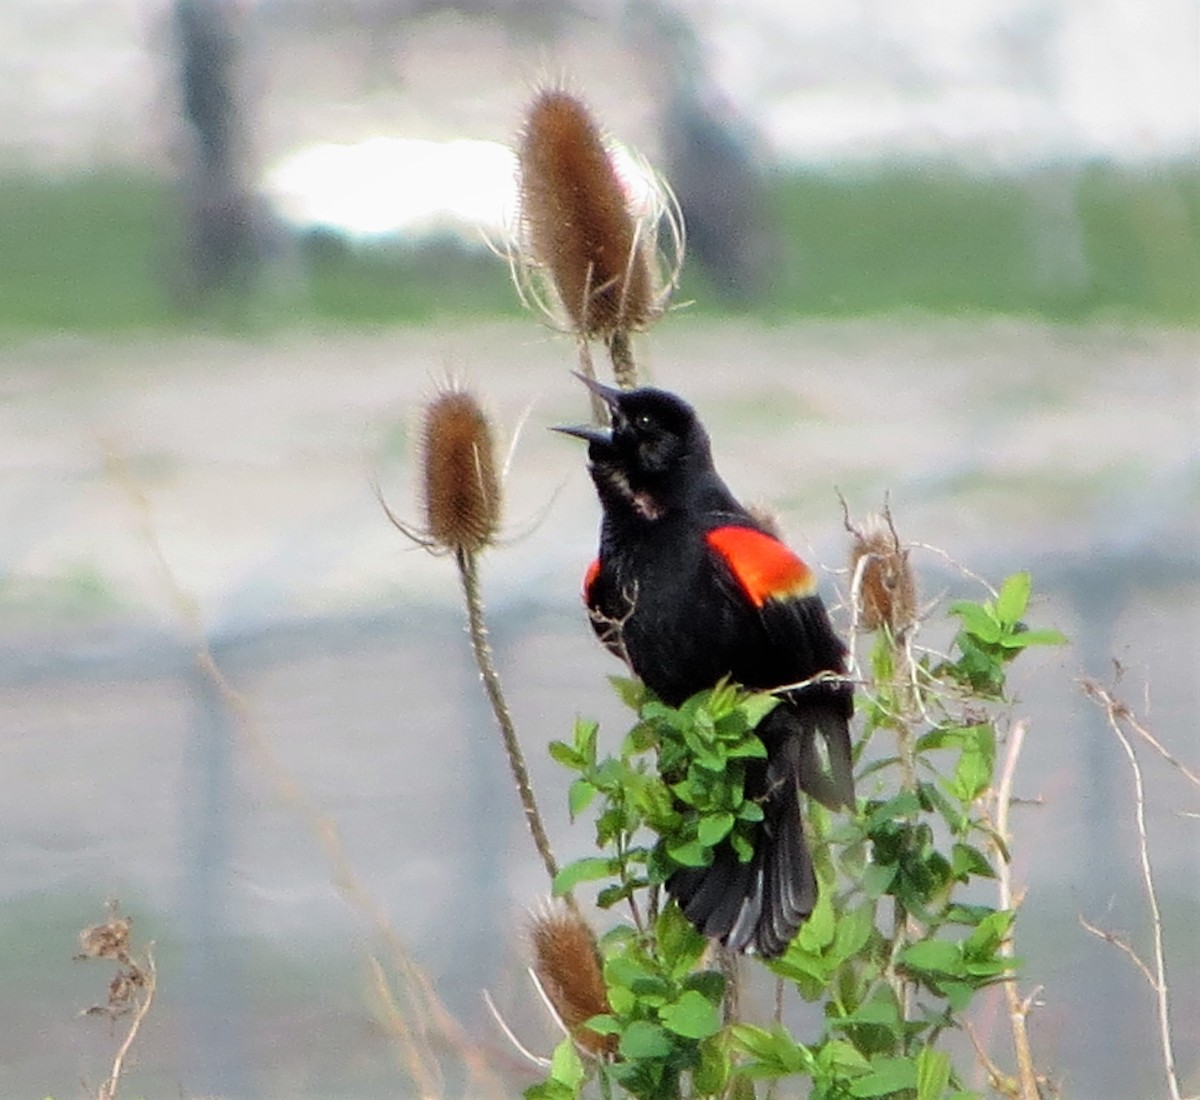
pixel 611 396
pixel 586 431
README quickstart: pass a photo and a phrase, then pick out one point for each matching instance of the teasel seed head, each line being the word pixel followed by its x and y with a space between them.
pixel 462 490
pixel 579 228
pixel 567 964
pixel 886 589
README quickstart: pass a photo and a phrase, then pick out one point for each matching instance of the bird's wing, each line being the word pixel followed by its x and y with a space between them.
pixel 800 644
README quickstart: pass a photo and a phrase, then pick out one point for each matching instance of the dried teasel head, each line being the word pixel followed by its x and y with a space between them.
pixel 883 576
pixel 109 940
pixel 462 489
pixel 580 228
pixel 567 964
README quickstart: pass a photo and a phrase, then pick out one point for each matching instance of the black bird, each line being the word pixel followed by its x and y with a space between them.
pixel 689 587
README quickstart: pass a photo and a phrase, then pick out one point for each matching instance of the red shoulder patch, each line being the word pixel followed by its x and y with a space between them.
pixel 763 566
pixel 589 578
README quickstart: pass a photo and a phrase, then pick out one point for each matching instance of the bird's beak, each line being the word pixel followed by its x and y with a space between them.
pixel 611 396
pixel 588 432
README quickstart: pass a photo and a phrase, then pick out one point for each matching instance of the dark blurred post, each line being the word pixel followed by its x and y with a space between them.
pixel 710 156
pixel 224 241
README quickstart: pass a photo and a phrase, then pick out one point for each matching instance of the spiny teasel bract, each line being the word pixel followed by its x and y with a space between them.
pixel 577 224
pixel 567 964
pixel 462 489
pixel 886 589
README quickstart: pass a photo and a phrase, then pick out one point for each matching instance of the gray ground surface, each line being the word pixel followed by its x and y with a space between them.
pixel 152 488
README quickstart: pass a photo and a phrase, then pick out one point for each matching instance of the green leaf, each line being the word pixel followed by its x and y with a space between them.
pixel 710 984
pixel 757 706
pixel 640 739
pixel 966 860
pixel 817 932
pixel 692 1016
pixel 550 1090
pixel 631 692
pixel 1023 638
pixel 710 1076
pixel 842 1057
pixel 579 797
pixel 881 1012
pixel 625 972
pixel 933 956
pixel 977 621
pixel 902 805
pixel 642 1039
pixel 714 828
pixel 585 739
pixel 563 754
pixel 988 934
pixel 959 994
pixel 933 1074
pixel 1013 599
pixel 887 1076
pixel 742 848
pixel 755 1041
pixel 852 931
pixel 877 878
pixel 751 748
pixel 972 775
pixel 679 944
pixel 566 1065
pixel 691 853
pixel 603 1024
pixel 582 870
pixel 778 1052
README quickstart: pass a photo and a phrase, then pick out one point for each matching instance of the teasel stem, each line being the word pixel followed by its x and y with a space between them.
pixel 600 413
pixel 469 574
pixel 620 352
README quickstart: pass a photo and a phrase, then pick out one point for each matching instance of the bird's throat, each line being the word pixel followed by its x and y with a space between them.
pixel 615 484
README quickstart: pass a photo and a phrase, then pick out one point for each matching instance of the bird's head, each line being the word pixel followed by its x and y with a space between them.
pixel 653 450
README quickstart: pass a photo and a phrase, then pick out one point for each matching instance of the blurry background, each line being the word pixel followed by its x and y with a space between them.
pixel 947 252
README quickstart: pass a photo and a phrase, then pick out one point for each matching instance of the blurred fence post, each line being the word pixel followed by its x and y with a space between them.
pixel 213 1005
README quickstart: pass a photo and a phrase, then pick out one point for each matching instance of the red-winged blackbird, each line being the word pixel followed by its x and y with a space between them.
pixel 690 587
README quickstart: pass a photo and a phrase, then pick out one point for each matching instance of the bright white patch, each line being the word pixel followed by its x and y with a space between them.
pixel 398 187
pixel 404 187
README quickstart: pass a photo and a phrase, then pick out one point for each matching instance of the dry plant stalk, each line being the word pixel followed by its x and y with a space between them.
pixel 1028 1080
pixel 567 965
pixel 131 989
pixel 1119 716
pixel 883 597
pixel 462 513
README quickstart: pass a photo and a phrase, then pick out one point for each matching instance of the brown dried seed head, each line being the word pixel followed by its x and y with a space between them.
pixel 577 219
pixel 887 591
pixel 462 491
pixel 567 964
pixel 109 940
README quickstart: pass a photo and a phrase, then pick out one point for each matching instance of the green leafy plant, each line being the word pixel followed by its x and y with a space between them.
pixel 898 945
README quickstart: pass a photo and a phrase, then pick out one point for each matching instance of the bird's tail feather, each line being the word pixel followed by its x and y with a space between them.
pixel 758 905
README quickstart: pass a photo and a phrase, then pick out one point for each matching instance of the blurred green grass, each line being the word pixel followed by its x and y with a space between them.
pixel 105 252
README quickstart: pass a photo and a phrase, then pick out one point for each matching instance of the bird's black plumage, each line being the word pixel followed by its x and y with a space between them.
pixel 690 587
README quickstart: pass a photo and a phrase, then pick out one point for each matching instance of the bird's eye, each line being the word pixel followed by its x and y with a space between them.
pixel 643 420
